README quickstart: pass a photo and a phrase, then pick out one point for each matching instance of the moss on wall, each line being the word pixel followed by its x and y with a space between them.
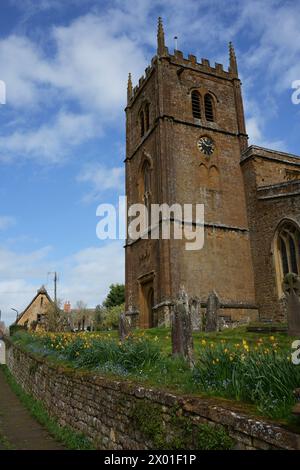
pixel 176 431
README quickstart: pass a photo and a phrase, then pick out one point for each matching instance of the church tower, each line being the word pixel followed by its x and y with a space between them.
pixel 185 134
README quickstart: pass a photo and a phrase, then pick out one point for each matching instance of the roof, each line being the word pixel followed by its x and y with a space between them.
pixel 41 291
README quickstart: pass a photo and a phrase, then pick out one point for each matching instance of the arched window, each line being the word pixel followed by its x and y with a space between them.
pixel 147 117
pixel 209 108
pixel 287 245
pixel 142 123
pixel 196 107
pixel 146 174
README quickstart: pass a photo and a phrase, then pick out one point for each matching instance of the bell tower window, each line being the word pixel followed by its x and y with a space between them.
pixel 196 107
pixel 209 108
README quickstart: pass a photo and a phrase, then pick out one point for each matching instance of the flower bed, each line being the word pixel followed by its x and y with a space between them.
pixel 252 369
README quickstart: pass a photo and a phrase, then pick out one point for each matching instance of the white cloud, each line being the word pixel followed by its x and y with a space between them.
pixel 93 54
pixel 21 274
pixel 6 222
pixel 256 137
pixel 52 141
pixel 89 68
pixel 85 275
pixel 89 273
pixel 102 179
pixel 90 65
pixel 25 73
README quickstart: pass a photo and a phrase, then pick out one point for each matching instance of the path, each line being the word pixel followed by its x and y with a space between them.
pixel 2 352
pixel 18 430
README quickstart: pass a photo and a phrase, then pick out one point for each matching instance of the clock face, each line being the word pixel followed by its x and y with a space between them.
pixel 206 145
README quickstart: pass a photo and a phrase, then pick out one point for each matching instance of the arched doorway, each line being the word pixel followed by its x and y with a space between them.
pixel 147 314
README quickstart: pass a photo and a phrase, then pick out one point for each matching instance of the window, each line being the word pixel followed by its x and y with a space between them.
pixel 146 174
pixel 196 107
pixel 142 124
pixel 42 301
pixel 147 116
pixel 209 109
pixel 287 251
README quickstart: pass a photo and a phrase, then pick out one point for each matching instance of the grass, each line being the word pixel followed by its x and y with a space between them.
pixel 70 439
pixel 4 443
pixel 253 369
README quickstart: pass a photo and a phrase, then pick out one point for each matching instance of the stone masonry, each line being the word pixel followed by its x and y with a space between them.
pixel 246 192
pixel 101 407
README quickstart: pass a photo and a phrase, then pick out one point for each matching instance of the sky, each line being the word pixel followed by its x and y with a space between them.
pixel 65 64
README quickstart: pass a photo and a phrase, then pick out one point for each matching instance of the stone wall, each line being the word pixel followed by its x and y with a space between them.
pixel 273 195
pixel 109 412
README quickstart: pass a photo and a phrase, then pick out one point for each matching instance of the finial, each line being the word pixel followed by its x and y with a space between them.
pixel 129 88
pixel 232 60
pixel 160 38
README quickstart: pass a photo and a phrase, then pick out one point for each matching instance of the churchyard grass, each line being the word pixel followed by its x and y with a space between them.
pixel 253 369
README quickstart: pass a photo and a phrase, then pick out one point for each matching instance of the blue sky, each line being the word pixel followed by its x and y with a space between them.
pixel 65 64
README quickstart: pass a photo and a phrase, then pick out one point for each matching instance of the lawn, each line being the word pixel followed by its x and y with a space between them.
pixel 251 368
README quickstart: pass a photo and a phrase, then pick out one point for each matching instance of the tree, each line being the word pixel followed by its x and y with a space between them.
pixel 116 296
pixel 112 317
pixel 81 315
pixel 55 319
pixel 98 317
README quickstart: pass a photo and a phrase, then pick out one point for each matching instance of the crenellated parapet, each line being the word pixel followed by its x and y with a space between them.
pixel 189 63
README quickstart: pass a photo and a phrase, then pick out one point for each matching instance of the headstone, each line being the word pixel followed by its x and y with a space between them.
pixel 196 314
pixel 123 327
pixel 212 313
pixel 2 329
pixel 182 332
pixel 291 288
pixel 132 316
pixel 2 352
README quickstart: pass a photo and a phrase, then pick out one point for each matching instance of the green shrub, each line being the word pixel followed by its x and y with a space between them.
pixel 15 328
pixel 111 316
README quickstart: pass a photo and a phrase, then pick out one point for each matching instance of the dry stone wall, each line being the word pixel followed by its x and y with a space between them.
pixel 110 412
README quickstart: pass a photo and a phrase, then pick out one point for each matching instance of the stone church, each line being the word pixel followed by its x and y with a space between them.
pixel 187 143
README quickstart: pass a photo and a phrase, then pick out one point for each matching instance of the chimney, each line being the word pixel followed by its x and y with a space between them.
pixel 67 307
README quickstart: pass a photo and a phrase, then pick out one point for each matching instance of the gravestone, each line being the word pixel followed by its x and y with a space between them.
pixel 2 352
pixel 291 288
pixel 132 317
pixel 196 314
pixel 212 309
pixel 123 327
pixel 182 337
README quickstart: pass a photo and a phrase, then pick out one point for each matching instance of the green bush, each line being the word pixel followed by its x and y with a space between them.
pixel 111 317
pixel 15 328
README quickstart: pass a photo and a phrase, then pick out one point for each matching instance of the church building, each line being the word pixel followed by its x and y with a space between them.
pixel 186 143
